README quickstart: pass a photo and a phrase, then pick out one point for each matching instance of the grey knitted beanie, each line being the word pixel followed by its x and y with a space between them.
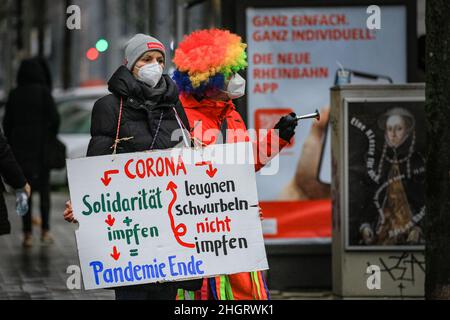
pixel 140 44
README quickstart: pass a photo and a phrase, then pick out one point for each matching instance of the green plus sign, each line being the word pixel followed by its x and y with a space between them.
pixel 127 221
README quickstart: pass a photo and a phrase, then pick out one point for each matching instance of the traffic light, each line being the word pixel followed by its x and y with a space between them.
pixel 100 46
pixel 92 54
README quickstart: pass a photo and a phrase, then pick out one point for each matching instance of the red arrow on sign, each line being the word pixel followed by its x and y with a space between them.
pixel 211 172
pixel 115 255
pixel 180 229
pixel 110 221
pixel 106 179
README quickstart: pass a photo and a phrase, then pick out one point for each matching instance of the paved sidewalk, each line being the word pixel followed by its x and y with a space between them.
pixel 40 272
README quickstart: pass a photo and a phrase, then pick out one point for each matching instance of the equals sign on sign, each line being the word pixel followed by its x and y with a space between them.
pixel 133 252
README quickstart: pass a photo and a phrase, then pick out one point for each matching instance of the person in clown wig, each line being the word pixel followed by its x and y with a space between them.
pixel 207 75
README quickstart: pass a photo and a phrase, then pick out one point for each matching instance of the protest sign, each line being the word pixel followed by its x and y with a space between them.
pixel 166 215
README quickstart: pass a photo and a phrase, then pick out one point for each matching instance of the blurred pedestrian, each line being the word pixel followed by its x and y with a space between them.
pixel 11 172
pixel 208 62
pixel 36 219
pixel 140 114
pixel 31 124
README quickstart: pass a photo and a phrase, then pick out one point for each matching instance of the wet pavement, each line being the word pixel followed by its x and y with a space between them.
pixel 39 272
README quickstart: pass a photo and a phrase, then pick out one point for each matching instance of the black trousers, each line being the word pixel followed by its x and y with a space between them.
pixel 41 185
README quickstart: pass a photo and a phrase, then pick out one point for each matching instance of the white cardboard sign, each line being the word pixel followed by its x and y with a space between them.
pixel 165 215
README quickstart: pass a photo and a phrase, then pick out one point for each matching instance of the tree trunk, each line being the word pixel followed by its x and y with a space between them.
pixel 437 283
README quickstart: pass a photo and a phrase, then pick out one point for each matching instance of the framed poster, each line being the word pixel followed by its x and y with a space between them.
pixel 384 149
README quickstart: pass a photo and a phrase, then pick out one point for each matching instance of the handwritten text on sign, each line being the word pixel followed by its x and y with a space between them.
pixel 165 215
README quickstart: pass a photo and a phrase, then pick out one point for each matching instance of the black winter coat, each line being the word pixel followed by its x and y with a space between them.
pixel 148 119
pixel 12 174
pixel 31 119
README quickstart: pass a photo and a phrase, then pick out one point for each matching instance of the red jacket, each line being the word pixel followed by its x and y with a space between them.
pixel 211 113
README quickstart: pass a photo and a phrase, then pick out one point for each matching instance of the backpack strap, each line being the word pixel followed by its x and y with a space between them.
pixel 119 120
pixel 223 131
pixel 182 115
pixel 185 132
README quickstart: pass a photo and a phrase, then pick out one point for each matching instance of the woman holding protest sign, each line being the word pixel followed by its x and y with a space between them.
pixel 140 114
pixel 208 62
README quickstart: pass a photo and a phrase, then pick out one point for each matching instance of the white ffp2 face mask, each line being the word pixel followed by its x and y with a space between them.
pixel 235 87
pixel 150 74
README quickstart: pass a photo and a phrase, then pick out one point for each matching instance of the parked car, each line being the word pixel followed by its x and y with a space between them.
pixel 75 107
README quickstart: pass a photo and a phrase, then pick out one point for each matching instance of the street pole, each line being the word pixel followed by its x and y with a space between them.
pixel 180 20
pixel 67 53
pixel 437 108
pixel 7 43
pixel 114 21
pixel 161 25
pixel 41 14
pixel 14 44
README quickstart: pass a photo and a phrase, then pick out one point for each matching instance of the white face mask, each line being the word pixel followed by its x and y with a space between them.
pixel 235 87
pixel 150 74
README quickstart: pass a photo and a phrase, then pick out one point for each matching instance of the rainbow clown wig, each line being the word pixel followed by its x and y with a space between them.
pixel 205 58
